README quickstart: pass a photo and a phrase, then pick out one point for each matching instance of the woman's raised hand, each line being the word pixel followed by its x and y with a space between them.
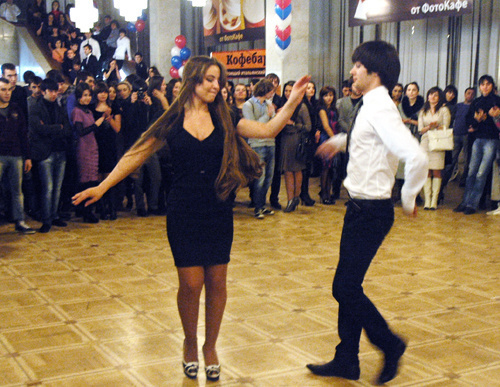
pixel 299 89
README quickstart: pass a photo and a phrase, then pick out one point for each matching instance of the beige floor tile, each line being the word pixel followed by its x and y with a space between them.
pixel 101 379
pixel 12 285
pixel 454 356
pixel 29 316
pixel 67 361
pixel 119 327
pixel 152 301
pixel 19 299
pixel 11 373
pixel 141 349
pixel 57 278
pixel 96 308
pixel 263 359
pixel 33 339
pixel 72 293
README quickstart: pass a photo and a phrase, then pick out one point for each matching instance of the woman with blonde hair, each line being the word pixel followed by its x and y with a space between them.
pixel 210 161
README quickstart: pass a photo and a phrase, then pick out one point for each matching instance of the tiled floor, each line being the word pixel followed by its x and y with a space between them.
pixel 95 305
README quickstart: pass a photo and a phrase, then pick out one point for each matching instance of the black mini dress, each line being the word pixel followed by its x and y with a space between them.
pixel 199 225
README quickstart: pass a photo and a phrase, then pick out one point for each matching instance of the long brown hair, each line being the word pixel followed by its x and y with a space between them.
pixel 240 164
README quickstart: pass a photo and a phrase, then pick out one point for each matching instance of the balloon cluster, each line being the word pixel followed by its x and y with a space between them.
pixel 283 29
pixel 180 55
pixel 139 25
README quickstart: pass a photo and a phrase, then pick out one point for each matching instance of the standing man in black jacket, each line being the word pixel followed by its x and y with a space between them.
pixel 50 137
pixel 14 152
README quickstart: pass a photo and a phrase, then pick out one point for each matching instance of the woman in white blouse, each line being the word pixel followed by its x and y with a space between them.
pixel 122 51
pixel 433 116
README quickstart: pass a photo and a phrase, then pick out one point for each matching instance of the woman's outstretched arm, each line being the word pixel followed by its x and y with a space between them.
pixel 255 129
pixel 132 160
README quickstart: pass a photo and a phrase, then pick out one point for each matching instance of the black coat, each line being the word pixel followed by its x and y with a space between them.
pixel 48 133
pixel 91 65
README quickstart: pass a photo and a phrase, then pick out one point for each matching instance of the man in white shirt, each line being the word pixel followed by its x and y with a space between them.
pixel 376 143
pixel 96 49
pixel 10 11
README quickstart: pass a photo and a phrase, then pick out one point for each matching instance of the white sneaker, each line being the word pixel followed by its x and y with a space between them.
pixel 23 228
pixel 259 214
pixel 494 212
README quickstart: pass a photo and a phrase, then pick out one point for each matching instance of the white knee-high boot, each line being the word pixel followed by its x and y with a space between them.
pixel 436 187
pixel 428 193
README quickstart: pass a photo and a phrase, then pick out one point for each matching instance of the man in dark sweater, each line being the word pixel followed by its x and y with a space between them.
pixel 50 137
pixel 19 94
pixel 14 152
pixel 484 134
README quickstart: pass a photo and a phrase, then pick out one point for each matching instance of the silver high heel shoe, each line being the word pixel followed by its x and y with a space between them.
pixel 213 372
pixel 191 369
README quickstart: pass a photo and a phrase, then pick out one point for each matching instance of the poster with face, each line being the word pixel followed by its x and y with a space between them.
pixel 362 12
pixel 231 21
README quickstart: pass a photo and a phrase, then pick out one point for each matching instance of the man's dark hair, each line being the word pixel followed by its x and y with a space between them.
pixel 272 77
pixel 89 46
pixel 82 76
pixel 4 80
pixel 122 30
pixel 486 77
pixel 55 75
pixel 346 83
pixel 138 53
pixel 27 76
pixel 49 84
pixel 8 66
pixel 470 88
pixel 36 80
pixel 263 87
pixel 381 58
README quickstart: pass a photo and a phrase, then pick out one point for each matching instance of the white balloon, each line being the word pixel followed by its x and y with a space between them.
pixel 282 53
pixel 181 71
pixel 283 24
pixel 175 51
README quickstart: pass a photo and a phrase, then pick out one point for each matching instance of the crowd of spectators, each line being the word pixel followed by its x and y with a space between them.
pixel 73 126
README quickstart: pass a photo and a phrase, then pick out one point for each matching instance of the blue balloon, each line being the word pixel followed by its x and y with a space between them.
pixel 283 13
pixel 185 53
pixel 131 27
pixel 176 62
pixel 283 44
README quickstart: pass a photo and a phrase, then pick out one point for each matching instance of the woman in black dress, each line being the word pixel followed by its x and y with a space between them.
pixel 106 138
pixel 211 160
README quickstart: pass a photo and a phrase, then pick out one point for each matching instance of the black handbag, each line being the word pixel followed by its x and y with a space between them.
pixel 305 148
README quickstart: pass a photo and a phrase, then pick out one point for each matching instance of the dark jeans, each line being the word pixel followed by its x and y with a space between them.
pixel 51 172
pixel 366 224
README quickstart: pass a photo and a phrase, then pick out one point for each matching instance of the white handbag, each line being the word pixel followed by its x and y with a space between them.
pixel 440 139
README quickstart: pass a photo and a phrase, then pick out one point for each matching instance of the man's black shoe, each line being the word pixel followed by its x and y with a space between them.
pixel 45 228
pixel 59 223
pixel 142 213
pixel 276 205
pixel 333 368
pixel 391 363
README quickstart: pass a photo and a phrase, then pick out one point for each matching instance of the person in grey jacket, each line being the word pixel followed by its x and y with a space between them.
pixel 258 108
